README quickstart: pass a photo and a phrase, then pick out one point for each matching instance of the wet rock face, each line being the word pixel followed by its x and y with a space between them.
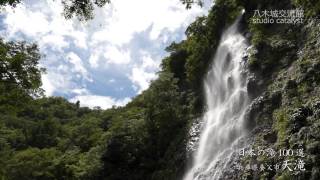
pixel 315 174
pixel 310 72
pixel 316 105
pixel 253 111
pixel 316 112
pixel 260 111
pixel 254 86
pixel 194 137
pixel 270 137
pixel 313 148
pixel 298 118
pixel 291 84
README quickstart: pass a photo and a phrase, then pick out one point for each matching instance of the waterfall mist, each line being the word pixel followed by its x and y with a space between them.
pixel 227 101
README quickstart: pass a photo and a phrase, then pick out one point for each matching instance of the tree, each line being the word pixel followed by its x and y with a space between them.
pixel 9 2
pixel 19 66
pixel 163 114
pixel 32 163
pixel 83 9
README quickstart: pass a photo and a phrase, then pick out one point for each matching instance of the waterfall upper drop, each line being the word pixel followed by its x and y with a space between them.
pixel 227 101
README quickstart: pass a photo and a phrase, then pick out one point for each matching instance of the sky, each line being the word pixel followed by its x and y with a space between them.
pixel 105 61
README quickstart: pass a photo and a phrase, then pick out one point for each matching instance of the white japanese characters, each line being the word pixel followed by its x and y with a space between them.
pixel 291 16
pixel 284 159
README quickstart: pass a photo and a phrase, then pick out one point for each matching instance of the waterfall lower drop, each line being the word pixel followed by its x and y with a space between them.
pixel 227 101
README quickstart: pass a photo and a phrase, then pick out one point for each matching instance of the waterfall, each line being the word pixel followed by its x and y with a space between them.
pixel 227 101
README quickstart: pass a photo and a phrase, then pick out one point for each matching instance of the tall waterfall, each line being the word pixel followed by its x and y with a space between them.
pixel 227 101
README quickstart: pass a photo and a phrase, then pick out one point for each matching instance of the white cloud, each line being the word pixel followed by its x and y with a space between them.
pixel 104 102
pixel 142 74
pixel 108 46
pixel 77 63
pixel 94 58
pixel 80 91
pixel 55 41
pixel 149 63
pixel 141 79
pixel 32 23
pixel 80 39
pixel 46 84
pixel 115 55
pixel 44 23
pixel 109 55
pixel 53 82
pixel 111 80
pixel 125 18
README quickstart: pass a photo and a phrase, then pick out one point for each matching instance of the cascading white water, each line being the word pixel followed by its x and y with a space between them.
pixel 227 101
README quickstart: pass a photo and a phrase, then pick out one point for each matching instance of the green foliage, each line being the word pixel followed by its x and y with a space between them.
pixel 177 60
pixel 311 7
pixel 163 117
pixel 32 164
pixel 19 65
pixel 87 134
pixel 74 143
pixel 20 75
pixel 142 133
pixel 281 124
pixel 9 2
pixel 83 9
pixel 284 176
